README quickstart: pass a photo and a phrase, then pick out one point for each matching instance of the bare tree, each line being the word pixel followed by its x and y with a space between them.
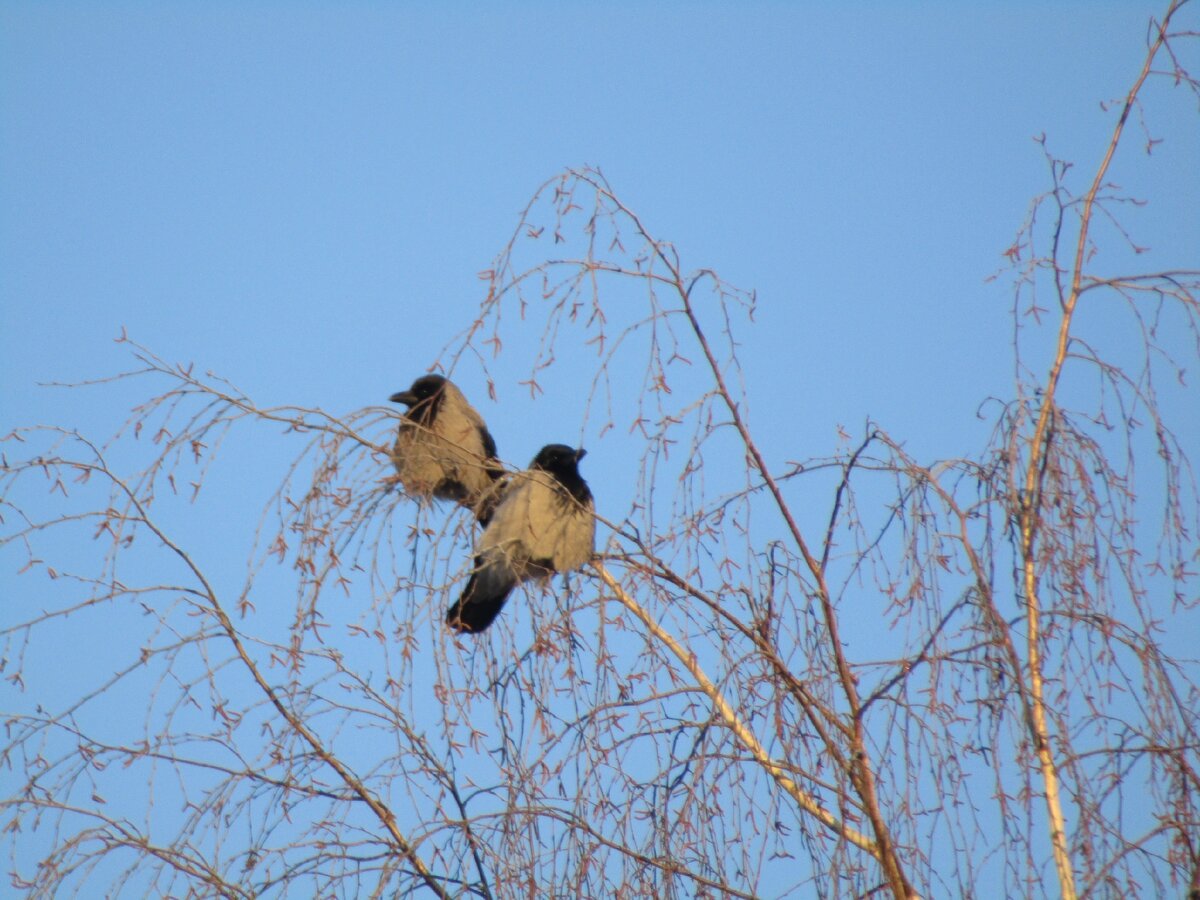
pixel 850 674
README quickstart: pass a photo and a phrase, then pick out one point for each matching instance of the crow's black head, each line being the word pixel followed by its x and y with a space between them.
pixel 422 398
pixel 562 462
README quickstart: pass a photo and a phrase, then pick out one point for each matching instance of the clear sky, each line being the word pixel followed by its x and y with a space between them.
pixel 299 197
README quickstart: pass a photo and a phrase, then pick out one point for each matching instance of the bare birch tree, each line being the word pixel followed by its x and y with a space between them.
pixel 849 674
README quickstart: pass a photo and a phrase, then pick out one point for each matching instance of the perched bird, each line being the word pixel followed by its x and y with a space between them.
pixel 443 448
pixel 543 523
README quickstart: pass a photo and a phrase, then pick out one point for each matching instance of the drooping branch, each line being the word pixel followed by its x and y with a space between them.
pixel 1030 513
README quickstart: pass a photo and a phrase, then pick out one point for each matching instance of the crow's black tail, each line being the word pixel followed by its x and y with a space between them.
pixel 483 598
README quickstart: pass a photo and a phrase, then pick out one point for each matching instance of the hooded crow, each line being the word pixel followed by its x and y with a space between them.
pixel 544 523
pixel 443 448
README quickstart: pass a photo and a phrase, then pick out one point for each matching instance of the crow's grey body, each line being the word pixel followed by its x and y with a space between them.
pixel 544 523
pixel 443 448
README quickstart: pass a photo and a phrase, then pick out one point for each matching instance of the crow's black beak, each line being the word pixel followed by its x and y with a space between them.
pixel 580 454
pixel 408 398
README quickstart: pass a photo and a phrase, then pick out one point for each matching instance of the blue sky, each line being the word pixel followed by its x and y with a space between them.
pixel 326 183
pixel 300 197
